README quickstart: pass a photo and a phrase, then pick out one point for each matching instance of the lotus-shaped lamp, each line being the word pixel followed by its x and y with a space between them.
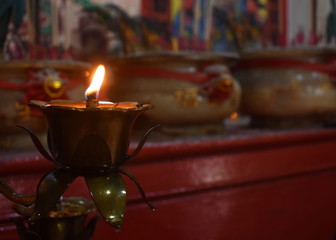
pixel 89 139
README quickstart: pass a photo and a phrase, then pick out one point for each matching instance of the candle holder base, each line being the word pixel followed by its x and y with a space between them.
pixel 66 221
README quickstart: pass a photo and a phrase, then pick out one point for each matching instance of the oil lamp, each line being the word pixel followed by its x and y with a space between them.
pixel 88 139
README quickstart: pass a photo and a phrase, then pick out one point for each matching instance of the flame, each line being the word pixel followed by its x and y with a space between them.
pixel 93 90
pixel 234 116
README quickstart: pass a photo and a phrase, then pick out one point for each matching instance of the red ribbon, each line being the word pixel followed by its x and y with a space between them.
pixel 32 90
pixel 11 86
pixel 214 93
pixel 194 77
pixel 327 68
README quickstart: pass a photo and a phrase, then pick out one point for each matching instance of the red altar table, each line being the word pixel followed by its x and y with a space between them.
pixel 242 185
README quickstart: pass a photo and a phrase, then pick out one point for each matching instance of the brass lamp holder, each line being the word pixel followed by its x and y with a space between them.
pixel 91 142
pixel 67 221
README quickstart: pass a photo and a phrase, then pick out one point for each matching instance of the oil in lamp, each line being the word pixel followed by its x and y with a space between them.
pixel 88 139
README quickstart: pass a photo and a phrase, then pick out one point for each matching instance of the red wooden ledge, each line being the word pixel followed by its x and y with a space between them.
pixel 219 169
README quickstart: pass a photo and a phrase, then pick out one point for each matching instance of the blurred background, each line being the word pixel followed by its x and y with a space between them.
pixel 244 90
pixel 112 28
pixel 207 66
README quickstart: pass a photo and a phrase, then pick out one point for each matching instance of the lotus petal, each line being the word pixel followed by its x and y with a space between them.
pixel 50 144
pixel 92 147
pixel 50 189
pixel 109 194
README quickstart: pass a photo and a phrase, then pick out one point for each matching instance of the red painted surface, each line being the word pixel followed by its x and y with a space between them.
pixel 248 185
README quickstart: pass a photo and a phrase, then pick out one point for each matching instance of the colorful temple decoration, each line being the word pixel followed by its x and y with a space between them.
pixel 76 29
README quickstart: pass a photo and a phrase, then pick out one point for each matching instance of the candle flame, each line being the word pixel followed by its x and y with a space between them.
pixel 234 116
pixel 93 90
